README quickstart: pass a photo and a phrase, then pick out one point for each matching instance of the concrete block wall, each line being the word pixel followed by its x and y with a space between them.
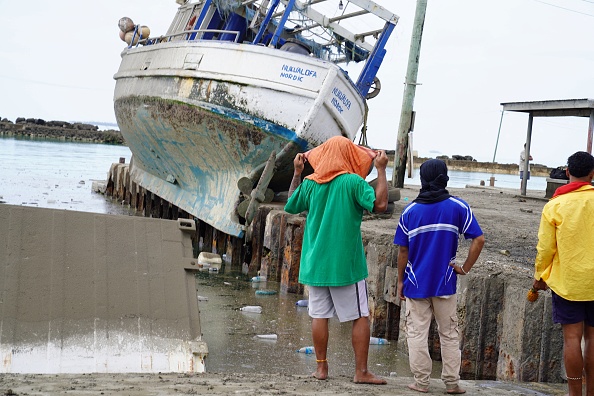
pixel 504 336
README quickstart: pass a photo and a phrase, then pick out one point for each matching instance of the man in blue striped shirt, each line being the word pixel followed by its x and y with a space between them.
pixel 427 236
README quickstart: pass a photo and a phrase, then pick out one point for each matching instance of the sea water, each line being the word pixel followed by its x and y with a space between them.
pixel 59 175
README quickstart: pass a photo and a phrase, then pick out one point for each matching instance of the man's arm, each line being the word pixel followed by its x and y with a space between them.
pixel 545 250
pixel 402 261
pixel 381 187
pixel 473 254
pixel 299 165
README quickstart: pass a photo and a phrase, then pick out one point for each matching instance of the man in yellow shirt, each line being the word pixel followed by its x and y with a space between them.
pixel 565 263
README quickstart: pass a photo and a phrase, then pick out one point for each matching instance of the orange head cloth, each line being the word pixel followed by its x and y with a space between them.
pixel 336 156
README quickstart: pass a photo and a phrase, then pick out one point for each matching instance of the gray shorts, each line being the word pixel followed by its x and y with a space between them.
pixel 347 302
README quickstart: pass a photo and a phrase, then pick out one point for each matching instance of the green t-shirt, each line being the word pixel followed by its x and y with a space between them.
pixel 332 253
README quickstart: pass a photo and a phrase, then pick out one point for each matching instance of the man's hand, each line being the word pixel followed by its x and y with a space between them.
pixel 299 163
pixel 539 285
pixel 381 161
pixel 400 289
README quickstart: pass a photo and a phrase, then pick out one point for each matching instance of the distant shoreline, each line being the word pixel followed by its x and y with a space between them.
pixel 36 128
pixel 484 167
pixel 78 132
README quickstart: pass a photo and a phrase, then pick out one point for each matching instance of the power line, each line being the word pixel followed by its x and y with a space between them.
pixel 566 9
pixel 50 84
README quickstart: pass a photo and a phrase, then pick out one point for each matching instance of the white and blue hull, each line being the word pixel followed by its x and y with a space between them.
pixel 200 115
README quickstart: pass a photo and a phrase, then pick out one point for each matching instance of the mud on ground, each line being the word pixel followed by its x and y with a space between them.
pixel 509 221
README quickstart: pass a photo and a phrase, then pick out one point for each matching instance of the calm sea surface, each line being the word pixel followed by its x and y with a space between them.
pixel 59 175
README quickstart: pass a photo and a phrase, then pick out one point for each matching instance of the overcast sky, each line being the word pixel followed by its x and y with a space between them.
pixel 58 58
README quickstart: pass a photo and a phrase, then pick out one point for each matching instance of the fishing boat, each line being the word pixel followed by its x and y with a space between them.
pixel 215 110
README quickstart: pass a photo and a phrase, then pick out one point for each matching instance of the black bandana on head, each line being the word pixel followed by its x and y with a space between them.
pixel 434 180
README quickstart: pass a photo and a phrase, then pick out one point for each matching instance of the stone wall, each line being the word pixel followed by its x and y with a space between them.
pixel 489 167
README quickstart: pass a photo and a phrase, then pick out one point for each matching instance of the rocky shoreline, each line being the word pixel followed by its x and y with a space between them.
pixel 36 128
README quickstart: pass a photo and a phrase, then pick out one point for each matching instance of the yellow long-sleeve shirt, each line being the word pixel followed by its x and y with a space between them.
pixel 565 250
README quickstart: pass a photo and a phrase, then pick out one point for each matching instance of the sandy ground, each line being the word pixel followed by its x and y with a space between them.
pixel 239 384
pixel 509 221
pixel 510 224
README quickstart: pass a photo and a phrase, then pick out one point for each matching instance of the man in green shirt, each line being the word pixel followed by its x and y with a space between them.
pixel 333 261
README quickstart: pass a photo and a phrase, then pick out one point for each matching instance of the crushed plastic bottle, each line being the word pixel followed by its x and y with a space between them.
pixel 267 336
pixel 263 292
pixel 302 303
pixel 378 341
pixel 251 308
pixel 259 279
pixel 308 350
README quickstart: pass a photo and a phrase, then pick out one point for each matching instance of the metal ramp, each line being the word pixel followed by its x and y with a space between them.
pixel 84 292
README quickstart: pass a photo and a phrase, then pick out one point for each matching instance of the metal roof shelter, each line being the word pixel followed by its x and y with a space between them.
pixel 552 108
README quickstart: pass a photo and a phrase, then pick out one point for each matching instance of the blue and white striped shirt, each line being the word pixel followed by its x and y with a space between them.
pixel 431 231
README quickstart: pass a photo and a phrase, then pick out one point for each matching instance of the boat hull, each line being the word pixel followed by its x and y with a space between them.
pixel 200 116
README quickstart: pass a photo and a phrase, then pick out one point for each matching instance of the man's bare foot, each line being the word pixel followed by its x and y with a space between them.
pixel 455 391
pixel 418 388
pixel 322 371
pixel 369 378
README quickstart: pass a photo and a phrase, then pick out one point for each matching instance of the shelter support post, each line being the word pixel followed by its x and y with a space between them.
pixel 590 132
pixel 526 166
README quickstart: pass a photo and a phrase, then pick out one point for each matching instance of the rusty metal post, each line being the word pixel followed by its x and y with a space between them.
pixel 409 96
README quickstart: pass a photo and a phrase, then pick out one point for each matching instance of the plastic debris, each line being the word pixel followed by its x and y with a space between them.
pixel 267 336
pixel 302 303
pixel 265 292
pixel 251 308
pixel 378 341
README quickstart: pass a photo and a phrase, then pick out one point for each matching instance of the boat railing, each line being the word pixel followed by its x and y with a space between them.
pixel 186 33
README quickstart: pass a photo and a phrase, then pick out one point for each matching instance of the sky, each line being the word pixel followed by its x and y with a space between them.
pixel 58 58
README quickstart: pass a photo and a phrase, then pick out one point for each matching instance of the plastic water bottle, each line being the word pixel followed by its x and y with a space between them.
pixel 259 279
pixel 308 350
pixel 267 336
pixel 251 308
pixel 378 341
pixel 302 303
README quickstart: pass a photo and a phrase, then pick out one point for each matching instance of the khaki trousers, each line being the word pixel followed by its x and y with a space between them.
pixel 418 319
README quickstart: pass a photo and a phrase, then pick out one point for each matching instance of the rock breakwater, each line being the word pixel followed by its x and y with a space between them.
pixel 40 129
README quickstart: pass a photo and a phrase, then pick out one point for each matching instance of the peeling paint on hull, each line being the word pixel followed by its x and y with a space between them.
pixel 206 151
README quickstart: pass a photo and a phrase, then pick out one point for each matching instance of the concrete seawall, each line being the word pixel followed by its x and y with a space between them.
pixel 503 336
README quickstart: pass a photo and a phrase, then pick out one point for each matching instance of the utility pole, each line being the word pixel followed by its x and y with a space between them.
pixel 410 88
